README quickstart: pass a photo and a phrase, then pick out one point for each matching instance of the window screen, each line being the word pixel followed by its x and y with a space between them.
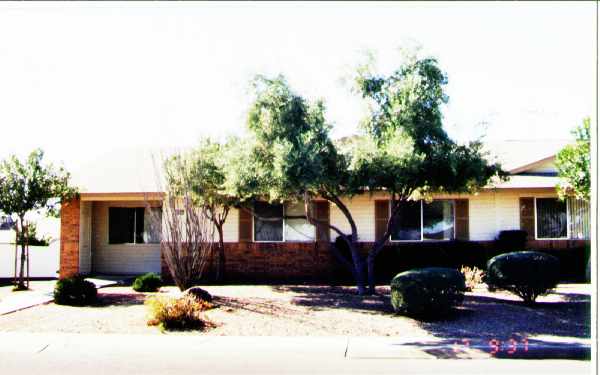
pixel 551 216
pixel 579 219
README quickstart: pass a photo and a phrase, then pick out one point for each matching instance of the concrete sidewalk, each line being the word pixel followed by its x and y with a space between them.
pixel 39 295
pixel 26 353
pixel 24 299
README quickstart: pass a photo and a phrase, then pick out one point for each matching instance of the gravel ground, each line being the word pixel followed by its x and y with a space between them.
pixel 305 310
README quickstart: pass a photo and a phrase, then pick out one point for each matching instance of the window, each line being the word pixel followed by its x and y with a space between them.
pixel 298 230
pixel 438 220
pixel 419 221
pixel 579 219
pixel 132 225
pixel 270 225
pixel 268 222
pixel 551 218
pixel 407 224
pixel 556 219
pixel 6 223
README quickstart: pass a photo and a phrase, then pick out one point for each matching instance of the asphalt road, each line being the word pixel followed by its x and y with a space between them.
pixel 25 353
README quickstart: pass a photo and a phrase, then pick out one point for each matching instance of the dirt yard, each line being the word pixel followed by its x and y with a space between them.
pixel 299 310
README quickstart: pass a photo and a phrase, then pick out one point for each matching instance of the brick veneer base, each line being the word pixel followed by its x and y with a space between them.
pixel 313 262
pixel 69 238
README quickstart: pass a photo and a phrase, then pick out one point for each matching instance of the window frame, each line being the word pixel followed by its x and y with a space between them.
pixel 535 219
pixel 283 237
pixel 421 208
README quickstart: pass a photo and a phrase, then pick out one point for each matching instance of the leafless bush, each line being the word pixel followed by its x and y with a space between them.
pixel 187 236
pixel 473 276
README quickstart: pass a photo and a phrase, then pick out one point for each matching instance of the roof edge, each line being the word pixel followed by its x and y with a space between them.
pixel 531 165
pixel 122 196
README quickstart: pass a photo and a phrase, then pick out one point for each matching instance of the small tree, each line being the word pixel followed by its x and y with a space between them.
pixel 31 186
pixel 573 164
pixel 187 235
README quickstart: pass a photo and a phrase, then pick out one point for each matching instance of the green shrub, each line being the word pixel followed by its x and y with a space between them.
pixel 182 313
pixel 149 282
pixel 528 274
pixel 512 240
pixel 75 291
pixel 427 292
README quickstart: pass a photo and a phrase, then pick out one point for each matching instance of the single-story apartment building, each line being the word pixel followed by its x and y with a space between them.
pixel 107 231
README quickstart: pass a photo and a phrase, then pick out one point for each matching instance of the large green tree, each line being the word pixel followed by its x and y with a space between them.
pixel 289 156
pixel 573 164
pixel 406 152
pixel 30 185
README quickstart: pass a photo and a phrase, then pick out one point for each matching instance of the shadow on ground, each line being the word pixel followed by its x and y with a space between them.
pixel 119 299
pixel 509 329
pixel 317 297
pixel 500 327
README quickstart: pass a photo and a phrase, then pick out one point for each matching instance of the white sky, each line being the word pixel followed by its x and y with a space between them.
pixel 92 82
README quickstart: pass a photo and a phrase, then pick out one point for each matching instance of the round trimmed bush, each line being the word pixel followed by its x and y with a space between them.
pixel 75 291
pixel 199 293
pixel 427 292
pixel 528 274
pixel 149 282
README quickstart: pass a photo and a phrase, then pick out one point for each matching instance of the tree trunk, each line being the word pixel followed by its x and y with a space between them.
pixel 358 263
pixel 220 276
pixel 21 284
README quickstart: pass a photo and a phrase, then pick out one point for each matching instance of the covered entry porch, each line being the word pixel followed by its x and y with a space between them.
pixel 111 234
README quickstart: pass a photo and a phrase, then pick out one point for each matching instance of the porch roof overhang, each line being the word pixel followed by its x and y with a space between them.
pixel 122 196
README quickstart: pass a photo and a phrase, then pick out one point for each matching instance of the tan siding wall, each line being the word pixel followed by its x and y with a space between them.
pixel 85 240
pixel 123 258
pixel 489 212
pixel 230 228
pixel 362 209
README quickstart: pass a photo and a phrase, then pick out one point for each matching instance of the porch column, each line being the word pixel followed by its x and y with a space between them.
pixel 69 238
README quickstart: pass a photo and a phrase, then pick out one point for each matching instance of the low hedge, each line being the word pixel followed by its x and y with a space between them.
pixel 528 274
pixel 427 292
pixel 149 282
pixel 75 291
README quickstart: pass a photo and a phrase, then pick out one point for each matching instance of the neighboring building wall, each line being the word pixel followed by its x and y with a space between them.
pixel 546 167
pixel 69 238
pixel 125 259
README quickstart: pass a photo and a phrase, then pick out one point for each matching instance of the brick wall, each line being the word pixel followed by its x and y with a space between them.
pixel 69 238
pixel 313 262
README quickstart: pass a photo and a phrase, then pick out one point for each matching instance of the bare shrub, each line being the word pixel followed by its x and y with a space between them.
pixel 187 235
pixel 473 276
pixel 182 313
